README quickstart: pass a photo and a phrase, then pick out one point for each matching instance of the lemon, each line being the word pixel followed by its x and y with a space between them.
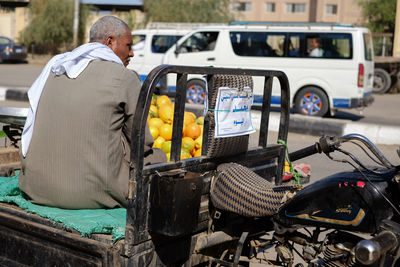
pixel 158 142
pixel 198 143
pixel 185 154
pixel 188 143
pixel 163 100
pixel 154 99
pixel 166 131
pixel 200 120
pixel 156 122
pixel 166 146
pixel 154 132
pixel 188 117
pixel 166 113
pixel 153 111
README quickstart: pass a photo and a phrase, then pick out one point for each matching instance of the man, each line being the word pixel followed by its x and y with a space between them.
pixel 316 51
pixel 75 143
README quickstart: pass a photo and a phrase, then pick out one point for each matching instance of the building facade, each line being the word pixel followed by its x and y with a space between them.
pixel 327 11
pixel 14 15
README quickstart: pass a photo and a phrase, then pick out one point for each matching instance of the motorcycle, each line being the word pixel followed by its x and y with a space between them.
pixel 347 219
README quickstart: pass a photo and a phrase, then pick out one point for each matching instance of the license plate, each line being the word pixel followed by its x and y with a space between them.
pixel 18 50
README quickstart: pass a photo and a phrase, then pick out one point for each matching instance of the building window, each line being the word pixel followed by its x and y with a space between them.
pixel 331 9
pixel 295 8
pixel 241 6
pixel 270 7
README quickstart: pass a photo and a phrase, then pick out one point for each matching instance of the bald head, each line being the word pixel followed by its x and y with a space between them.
pixel 107 26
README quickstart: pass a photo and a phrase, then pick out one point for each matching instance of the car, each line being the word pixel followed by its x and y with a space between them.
pixel 10 51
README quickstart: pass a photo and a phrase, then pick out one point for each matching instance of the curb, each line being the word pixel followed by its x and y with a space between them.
pixel 16 94
pixel 378 134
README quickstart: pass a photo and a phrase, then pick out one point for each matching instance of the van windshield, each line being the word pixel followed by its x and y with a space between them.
pixel 199 42
pixel 161 43
pixel 367 46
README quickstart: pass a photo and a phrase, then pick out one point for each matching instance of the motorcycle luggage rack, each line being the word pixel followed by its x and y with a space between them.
pixel 143 180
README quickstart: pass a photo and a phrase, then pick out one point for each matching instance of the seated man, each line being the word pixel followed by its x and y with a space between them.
pixel 75 143
pixel 316 51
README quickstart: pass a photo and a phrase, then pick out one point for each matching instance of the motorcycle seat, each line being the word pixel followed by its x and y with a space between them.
pixel 238 189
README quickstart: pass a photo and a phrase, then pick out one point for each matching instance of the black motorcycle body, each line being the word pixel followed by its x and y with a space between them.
pixel 343 201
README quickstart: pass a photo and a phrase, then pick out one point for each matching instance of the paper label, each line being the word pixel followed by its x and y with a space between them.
pixel 233 112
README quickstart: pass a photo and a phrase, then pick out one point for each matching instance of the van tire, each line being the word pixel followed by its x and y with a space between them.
pixel 311 101
pixel 382 81
pixel 196 92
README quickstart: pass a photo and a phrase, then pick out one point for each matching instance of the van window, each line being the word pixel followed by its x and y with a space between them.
pixel 367 46
pixel 263 44
pixel 198 42
pixel 138 42
pixel 258 44
pixel 330 45
pixel 296 45
pixel 161 43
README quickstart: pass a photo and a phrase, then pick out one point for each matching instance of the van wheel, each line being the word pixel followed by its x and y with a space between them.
pixel 382 81
pixel 196 92
pixel 311 101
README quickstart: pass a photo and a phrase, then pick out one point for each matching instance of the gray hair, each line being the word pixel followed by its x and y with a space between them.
pixel 107 26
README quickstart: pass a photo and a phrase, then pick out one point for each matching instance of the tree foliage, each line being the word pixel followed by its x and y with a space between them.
pixel 195 11
pixel 51 26
pixel 380 14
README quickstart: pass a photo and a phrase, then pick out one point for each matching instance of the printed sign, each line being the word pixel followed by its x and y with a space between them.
pixel 233 112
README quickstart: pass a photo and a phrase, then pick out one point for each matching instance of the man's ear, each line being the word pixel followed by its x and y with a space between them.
pixel 109 41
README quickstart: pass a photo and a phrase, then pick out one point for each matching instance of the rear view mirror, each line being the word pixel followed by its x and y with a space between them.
pixel 177 49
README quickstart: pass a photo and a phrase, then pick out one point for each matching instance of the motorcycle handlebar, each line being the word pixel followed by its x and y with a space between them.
pixel 326 144
pixel 329 144
pixel 305 152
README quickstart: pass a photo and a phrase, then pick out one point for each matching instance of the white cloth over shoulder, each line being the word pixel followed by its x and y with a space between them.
pixel 72 64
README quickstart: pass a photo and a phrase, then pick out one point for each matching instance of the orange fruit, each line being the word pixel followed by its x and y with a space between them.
pixel 158 142
pixel 154 132
pixel 163 100
pixel 166 131
pixel 188 117
pixel 156 122
pixel 192 130
pixel 166 113
pixel 153 111
pixel 166 147
pixel 187 143
pixel 197 153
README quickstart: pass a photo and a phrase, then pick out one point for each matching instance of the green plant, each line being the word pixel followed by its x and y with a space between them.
pixel 51 26
pixel 195 11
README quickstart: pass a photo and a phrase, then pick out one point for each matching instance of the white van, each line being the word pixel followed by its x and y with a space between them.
pixel 329 67
pixel 149 46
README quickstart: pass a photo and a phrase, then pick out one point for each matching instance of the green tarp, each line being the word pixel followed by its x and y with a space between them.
pixel 86 221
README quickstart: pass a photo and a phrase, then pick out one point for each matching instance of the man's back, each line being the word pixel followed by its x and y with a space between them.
pixel 76 156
